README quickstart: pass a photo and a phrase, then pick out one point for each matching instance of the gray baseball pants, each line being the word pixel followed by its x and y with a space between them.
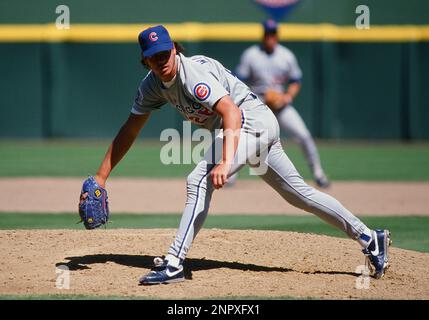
pixel 260 148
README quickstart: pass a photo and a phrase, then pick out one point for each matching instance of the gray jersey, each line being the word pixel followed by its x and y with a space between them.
pixel 262 70
pixel 199 84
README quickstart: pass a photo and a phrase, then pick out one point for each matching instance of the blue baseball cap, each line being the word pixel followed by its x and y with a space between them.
pixel 154 40
pixel 270 26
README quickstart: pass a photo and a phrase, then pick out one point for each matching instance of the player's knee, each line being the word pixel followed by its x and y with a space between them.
pixel 302 202
pixel 192 180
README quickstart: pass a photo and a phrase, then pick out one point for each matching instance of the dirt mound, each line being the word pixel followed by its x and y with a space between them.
pixel 220 264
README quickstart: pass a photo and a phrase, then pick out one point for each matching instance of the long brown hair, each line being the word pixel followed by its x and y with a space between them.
pixel 179 49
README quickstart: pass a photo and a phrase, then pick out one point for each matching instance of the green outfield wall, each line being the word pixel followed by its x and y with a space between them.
pixel 339 12
pixel 350 90
pixel 358 84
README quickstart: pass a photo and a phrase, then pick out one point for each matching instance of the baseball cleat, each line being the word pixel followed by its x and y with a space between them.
pixel 163 273
pixel 377 253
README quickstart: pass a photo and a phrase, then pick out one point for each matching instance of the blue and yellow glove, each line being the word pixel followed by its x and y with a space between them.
pixel 93 204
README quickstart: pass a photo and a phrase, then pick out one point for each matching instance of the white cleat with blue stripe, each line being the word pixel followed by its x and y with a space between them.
pixel 163 273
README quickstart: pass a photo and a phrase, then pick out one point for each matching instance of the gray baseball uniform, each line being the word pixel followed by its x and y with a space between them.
pixel 198 85
pixel 262 71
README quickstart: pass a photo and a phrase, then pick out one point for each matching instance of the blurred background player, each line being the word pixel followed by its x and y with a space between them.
pixel 270 68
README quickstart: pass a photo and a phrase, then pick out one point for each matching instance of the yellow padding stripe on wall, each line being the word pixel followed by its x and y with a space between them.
pixel 211 32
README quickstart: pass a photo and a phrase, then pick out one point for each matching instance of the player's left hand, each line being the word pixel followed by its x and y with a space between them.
pixel 93 204
pixel 219 175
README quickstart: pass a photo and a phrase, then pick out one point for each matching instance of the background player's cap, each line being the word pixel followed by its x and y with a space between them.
pixel 154 40
pixel 270 26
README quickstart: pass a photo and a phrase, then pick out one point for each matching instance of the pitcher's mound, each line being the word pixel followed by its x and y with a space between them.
pixel 221 263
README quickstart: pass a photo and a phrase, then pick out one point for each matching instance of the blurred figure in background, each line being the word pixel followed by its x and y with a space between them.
pixel 272 72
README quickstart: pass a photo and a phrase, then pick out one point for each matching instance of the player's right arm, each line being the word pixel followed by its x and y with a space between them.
pixel 243 70
pixel 294 77
pixel 120 145
pixel 145 102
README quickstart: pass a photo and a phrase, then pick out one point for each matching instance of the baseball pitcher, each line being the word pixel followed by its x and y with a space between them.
pixel 243 127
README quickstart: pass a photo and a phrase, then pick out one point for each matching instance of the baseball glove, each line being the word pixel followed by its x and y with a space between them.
pixel 93 204
pixel 274 99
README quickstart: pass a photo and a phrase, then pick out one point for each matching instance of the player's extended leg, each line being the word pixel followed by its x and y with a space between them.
pixel 291 122
pixel 285 179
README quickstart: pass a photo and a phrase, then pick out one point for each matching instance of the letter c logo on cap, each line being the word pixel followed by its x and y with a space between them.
pixel 153 36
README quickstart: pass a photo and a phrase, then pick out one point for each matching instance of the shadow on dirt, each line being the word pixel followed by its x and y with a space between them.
pixel 146 262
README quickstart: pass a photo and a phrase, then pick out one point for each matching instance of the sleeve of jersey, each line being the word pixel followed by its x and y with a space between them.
pixel 208 91
pixel 243 69
pixel 146 100
pixel 295 71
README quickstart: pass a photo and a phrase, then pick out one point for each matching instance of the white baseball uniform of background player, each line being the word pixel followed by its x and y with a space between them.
pixel 272 66
pixel 207 94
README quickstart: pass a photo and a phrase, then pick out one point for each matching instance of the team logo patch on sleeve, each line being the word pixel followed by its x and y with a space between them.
pixel 202 91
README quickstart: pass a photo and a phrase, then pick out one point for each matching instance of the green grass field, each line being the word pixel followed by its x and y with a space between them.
pixel 407 232
pixel 342 161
